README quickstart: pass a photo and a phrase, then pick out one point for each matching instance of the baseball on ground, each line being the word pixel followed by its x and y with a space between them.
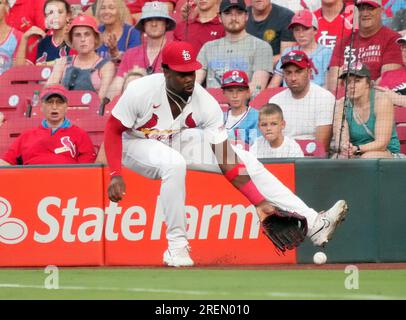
pixel 319 258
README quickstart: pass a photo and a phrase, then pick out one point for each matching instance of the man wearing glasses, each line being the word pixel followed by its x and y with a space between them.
pixel 307 108
pixel 56 140
pixel 373 44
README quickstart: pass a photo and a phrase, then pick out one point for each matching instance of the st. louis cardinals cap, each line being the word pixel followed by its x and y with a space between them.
pixel 180 56
pixel 298 58
pixel 305 18
pixel 356 69
pixel 234 78
pixel 53 90
pixel 374 3
pixel 227 4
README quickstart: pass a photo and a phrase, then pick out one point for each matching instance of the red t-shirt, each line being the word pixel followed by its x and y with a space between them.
pixel 70 145
pixel 23 15
pixel 374 51
pixel 198 33
pixel 331 32
pixel 137 56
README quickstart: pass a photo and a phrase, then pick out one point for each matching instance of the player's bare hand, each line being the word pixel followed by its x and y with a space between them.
pixel 264 209
pixel 116 189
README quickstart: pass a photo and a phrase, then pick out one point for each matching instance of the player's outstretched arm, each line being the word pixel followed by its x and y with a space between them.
pixel 114 147
pixel 234 170
pixel 285 229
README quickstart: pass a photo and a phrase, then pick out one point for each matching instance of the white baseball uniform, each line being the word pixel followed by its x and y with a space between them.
pixel 160 147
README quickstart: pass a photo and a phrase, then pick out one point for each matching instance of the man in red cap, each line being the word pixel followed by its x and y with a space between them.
pixel 307 108
pixel 166 123
pixel 373 44
pixel 304 25
pixel 56 140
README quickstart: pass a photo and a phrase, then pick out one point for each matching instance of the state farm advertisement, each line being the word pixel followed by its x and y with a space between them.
pixel 62 216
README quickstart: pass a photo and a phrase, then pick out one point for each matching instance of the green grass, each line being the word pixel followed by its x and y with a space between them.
pixel 200 284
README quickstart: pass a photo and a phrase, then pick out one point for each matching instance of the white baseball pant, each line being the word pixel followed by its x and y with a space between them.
pixel 169 161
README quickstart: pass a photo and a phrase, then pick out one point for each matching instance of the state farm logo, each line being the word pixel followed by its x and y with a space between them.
pixel 64 220
pixel 12 230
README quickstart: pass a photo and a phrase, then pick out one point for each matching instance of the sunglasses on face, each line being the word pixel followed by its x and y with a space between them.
pixel 232 79
pixel 294 57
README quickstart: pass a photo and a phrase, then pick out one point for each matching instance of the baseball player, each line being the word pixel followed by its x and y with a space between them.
pixel 164 124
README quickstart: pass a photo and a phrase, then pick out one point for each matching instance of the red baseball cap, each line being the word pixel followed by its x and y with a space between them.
pixel 305 18
pixel 83 21
pixel 180 56
pixel 52 90
pixel 374 3
pixel 298 58
pixel 234 78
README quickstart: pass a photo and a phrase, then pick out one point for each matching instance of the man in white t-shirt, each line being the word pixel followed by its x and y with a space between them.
pixel 307 108
pixel 164 124
pixel 272 143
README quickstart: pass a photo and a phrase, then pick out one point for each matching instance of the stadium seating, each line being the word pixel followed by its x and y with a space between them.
pixel 12 128
pixel 264 96
pixel 83 111
pixel 217 93
pixel 312 148
pixel 15 100
pixel 83 100
pixel 400 115
pixel 29 74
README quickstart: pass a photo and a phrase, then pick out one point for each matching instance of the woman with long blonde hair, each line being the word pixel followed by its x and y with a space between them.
pixel 117 36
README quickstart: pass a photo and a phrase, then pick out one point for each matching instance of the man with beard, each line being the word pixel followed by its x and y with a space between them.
pixel 307 108
pixel 167 123
pixel 238 50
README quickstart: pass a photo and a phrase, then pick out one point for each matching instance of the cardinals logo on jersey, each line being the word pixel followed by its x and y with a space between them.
pixel 62 52
pixel 150 123
pixel 67 146
pixel 190 122
pixel 42 59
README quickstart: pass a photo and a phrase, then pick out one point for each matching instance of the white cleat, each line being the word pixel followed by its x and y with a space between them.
pixel 178 257
pixel 327 222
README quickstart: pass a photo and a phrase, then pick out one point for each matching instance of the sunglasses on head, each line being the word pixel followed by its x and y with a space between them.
pixel 357 66
pixel 232 79
pixel 293 57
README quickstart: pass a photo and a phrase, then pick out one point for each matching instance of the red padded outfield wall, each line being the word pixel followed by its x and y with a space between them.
pixel 62 216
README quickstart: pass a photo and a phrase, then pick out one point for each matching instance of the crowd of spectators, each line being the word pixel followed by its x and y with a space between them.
pixel 314 49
